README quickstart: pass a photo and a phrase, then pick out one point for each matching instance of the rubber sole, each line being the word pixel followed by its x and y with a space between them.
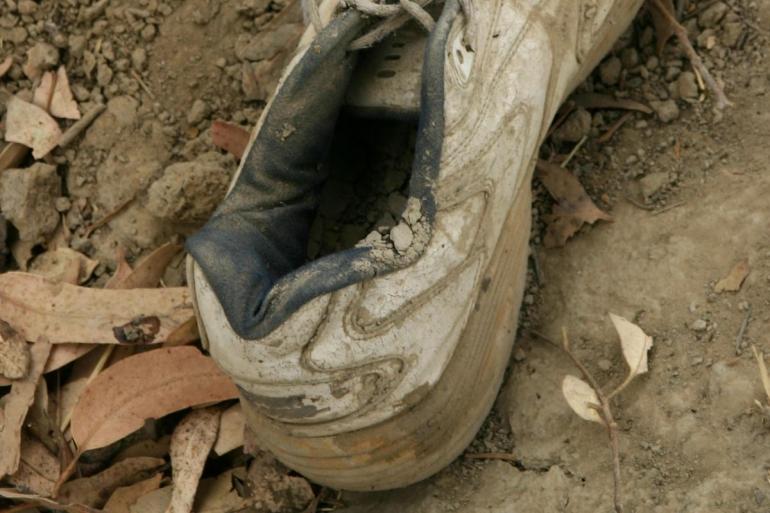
pixel 422 440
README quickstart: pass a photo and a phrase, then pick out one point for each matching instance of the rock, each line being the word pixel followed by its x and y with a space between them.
pixel 198 112
pixel 629 57
pixel 28 198
pixel 652 63
pixel 575 127
pixel 148 32
pixel 731 33
pixel 666 110
pixel 652 184
pixel 687 86
pixel 188 192
pixel 40 58
pixel 609 71
pixel 712 15
pixel 402 237
pixel 103 74
pixel 139 59
pixel 699 325
pixel 27 7
pixel 267 44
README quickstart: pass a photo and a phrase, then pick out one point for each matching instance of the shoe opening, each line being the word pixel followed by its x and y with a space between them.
pixel 323 199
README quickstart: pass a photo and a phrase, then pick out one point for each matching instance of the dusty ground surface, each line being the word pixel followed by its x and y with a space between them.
pixel 692 438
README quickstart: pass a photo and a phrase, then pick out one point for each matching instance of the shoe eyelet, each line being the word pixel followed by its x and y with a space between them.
pixel 461 58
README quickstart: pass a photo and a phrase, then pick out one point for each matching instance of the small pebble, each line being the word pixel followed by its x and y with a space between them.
pixel 699 325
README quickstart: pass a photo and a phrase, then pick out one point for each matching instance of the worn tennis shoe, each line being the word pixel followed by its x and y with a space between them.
pixel 373 367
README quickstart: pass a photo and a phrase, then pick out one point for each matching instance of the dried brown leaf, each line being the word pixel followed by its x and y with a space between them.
pixel 122 270
pixel 16 405
pixel 734 279
pixel 269 489
pixel 43 310
pixel 38 470
pixel 14 353
pixel 149 270
pixel 185 334
pixel 581 398
pixel 664 30
pixel 93 491
pixel 31 126
pixel 64 265
pixel 124 497
pixel 37 500
pixel 230 137
pixel 5 66
pixel 231 427
pixel 191 444
pixel 634 342
pixel 574 207
pixel 605 101
pixel 145 386
pixel 272 489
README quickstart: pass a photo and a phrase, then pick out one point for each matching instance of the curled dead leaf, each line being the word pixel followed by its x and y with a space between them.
pixel 31 126
pixel 581 398
pixel 230 137
pixel 573 208
pixel 635 344
pixel 145 386
pixel 734 279
pixel 191 443
pixel 61 313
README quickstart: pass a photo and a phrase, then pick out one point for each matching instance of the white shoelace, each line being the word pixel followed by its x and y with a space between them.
pixel 395 16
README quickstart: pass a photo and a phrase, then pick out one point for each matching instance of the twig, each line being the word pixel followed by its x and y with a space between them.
pixel 668 207
pixel 605 411
pixel 574 151
pixel 606 136
pixel 742 332
pixel 695 60
pixel 107 218
pixel 638 204
pixel 74 131
pixel 506 456
pixel 142 84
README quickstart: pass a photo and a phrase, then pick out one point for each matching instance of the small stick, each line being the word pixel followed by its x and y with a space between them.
pixel 669 207
pixel 606 136
pixel 505 456
pixel 107 218
pixel 574 151
pixel 742 332
pixel 638 204
pixel 74 131
pixel 605 411
pixel 695 60
pixel 142 84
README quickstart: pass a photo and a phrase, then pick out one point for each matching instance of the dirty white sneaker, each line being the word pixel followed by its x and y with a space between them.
pixel 374 366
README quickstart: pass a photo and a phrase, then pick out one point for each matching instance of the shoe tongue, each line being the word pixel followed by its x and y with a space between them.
pixel 386 82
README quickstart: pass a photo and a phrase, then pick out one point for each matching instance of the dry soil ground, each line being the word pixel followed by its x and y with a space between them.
pixel 692 438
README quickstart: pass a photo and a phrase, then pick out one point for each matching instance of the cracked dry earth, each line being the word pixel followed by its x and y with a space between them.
pixel 688 191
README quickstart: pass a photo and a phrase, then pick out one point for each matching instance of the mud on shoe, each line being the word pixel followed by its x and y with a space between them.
pixel 373 366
